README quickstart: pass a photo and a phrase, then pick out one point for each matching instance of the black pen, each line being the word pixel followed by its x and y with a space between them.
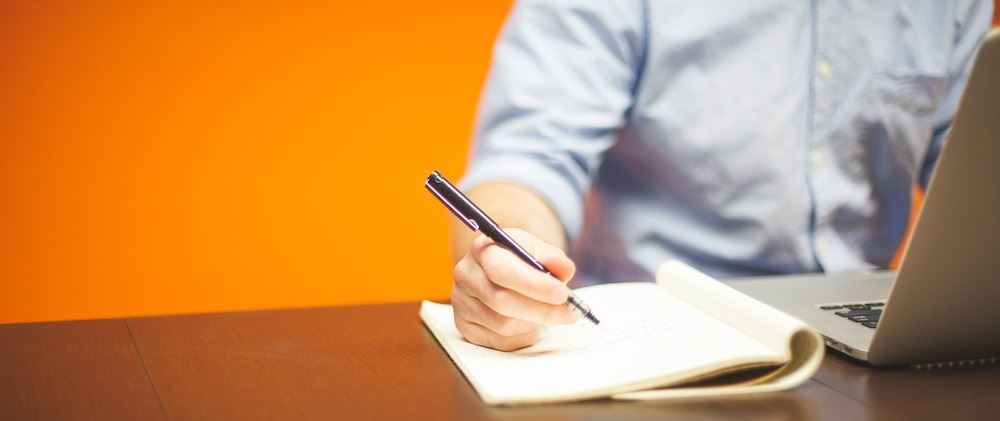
pixel 477 220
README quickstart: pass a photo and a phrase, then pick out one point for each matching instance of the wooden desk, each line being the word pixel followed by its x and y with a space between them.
pixel 378 362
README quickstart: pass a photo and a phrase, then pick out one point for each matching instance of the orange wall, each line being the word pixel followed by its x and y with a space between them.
pixel 185 157
pixel 164 157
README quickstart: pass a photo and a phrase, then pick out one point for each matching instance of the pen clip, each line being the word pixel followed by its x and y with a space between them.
pixel 431 182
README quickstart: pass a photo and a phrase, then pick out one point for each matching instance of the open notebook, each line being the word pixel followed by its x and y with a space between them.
pixel 655 341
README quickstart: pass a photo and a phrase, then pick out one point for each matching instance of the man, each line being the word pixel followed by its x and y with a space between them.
pixel 744 138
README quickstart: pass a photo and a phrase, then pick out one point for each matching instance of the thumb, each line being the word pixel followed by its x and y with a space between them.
pixel 556 261
pixel 550 256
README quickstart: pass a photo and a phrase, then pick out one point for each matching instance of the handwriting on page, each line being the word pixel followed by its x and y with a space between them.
pixel 662 324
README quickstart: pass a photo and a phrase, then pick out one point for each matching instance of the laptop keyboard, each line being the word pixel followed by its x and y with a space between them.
pixel 867 314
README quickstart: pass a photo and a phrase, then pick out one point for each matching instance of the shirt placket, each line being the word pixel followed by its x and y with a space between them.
pixel 818 159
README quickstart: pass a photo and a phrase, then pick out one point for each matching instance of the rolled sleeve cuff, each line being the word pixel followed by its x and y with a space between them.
pixel 549 183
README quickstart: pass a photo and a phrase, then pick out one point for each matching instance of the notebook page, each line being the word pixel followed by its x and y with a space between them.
pixel 765 323
pixel 802 344
pixel 645 337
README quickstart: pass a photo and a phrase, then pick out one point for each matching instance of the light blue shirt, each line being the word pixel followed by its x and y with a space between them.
pixel 743 137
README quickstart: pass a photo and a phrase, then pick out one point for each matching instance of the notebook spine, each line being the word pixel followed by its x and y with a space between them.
pixel 974 362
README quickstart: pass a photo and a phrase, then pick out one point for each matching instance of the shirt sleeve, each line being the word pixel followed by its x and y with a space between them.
pixel 972 25
pixel 562 80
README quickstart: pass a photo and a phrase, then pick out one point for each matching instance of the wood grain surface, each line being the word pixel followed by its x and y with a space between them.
pixel 84 370
pixel 961 393
pixel 378 362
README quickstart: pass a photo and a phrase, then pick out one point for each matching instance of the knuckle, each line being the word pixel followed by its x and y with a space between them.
pixel 465 276
pixel 458 302
pixel 475 334
pixel 507 326
pixel 489 262
pixel 460 273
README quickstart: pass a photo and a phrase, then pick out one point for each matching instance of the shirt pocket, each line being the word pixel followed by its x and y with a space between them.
pixel 914 93
pixel 905 90
pixel 912 62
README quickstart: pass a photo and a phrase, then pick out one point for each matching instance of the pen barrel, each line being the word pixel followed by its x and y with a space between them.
pixel 476 219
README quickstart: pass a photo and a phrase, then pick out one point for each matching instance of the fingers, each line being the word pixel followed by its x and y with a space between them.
pixel 550 256
pixel 472 280
pixel 555 260
pixel 480 335
pixel 501 302
pixel 475 311
pixel 480 325
pixel 507 270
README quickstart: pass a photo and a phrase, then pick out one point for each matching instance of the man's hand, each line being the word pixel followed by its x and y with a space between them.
pixel 501 302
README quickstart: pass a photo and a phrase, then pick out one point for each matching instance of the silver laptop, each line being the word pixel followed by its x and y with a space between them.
pixel 943 304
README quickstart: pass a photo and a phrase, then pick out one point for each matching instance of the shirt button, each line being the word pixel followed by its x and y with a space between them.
pixel 823 69
pixel 816 159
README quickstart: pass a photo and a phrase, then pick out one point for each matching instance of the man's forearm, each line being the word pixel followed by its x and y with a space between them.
pixel 510 205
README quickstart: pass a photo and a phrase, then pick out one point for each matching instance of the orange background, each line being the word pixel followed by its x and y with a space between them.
pixel 188 157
